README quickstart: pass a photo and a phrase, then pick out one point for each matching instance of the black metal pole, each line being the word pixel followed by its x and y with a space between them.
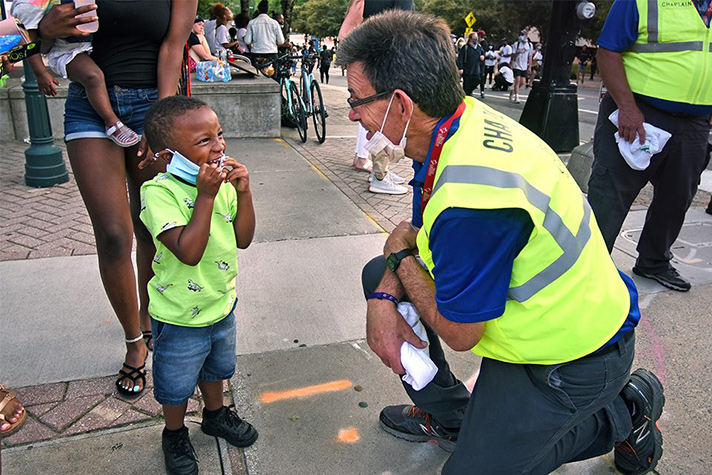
pixel 551 110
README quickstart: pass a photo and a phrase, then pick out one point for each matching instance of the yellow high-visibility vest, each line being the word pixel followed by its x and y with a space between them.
pixel 672 57
pixel 566 298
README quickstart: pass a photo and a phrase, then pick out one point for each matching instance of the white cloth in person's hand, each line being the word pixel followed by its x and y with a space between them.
pixel 419 368
pixel 638 155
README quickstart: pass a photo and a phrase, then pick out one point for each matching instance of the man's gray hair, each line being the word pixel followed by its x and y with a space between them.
pixel 408 51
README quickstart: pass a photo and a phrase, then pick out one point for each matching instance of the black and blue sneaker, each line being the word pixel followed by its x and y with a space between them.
pixel 410 423
pixel 642 450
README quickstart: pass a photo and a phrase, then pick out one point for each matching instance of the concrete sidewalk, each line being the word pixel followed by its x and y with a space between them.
pixel 306 377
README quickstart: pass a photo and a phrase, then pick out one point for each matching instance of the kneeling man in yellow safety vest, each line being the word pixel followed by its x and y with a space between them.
pixel 503 257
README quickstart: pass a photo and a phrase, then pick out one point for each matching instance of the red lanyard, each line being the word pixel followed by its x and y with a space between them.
pixel 435 156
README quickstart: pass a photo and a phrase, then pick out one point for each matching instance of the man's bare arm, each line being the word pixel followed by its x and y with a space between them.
pixel 630 118
pixel 421 292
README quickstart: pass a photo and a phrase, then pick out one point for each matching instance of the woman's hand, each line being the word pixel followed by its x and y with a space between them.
pixel 145 151
pixel 61 21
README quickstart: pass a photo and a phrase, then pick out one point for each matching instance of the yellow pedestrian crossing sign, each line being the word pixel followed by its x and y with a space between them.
pixel 470 19
pixel 467 32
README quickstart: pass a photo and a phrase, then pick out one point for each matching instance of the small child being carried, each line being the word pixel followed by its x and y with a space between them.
pixel 198 213
pixel 69 58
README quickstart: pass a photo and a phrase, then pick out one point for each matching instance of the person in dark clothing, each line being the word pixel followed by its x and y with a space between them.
pixel 324 64
pixel 469 62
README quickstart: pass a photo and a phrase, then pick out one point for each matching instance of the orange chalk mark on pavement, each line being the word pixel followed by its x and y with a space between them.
pixel 348 435
pixel 306 391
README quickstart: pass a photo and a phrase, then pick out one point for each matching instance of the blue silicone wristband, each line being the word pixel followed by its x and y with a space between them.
pixel 382 296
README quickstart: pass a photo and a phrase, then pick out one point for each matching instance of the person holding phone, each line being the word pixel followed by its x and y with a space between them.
pixel 70 58
pixel 138 48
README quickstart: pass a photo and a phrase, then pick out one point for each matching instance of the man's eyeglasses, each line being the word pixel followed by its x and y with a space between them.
pixel 354 103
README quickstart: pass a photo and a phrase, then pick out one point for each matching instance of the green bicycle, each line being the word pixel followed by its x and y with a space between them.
pixel 293 110
pixel 311 92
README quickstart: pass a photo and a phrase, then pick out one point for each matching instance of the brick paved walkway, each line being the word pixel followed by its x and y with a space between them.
pixel 39 222
pixel 75 407
pixel 334 159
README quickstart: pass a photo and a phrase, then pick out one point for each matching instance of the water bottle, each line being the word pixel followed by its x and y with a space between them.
pixel 88 27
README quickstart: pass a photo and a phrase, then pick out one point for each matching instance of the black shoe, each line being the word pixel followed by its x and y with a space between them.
pixel 179 454
pixel 410 423
pixel 482 95
pixel 669 278
pixel 640 452
pixel 228 425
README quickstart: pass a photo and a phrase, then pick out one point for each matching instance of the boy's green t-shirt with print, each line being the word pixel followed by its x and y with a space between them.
pixel 180 294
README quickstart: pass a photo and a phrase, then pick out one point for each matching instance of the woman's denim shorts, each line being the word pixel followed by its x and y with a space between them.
pixel 82 122
pixel 182 356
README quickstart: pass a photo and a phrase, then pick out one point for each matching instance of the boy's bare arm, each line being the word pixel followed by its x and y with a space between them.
pixel 188 242
pixel 245 222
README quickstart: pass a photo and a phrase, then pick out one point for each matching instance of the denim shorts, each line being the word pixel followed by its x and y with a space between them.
pixel 182 356
pixel 82 122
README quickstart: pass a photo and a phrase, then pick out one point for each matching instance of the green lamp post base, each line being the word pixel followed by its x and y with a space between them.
pixel 44 165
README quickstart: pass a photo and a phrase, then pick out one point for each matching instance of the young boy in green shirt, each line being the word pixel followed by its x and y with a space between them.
pixel 198 212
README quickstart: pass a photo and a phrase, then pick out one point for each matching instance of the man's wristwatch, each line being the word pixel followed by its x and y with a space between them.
pixel 395 258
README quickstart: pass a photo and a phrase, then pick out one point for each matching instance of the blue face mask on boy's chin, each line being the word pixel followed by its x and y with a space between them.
pixel 183 168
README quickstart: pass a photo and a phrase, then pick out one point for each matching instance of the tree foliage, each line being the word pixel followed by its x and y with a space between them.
pixel 320 17
pixel 499 18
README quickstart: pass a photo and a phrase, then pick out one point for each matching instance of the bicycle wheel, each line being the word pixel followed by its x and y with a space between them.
pixel 319 113
pixel 298 112
pixel 285 115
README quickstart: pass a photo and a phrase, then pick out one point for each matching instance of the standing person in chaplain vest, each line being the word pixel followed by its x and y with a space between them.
pixel 513 268
pixel 655 58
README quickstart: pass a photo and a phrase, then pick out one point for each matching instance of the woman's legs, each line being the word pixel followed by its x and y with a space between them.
pixel 145 249
pixel 100 170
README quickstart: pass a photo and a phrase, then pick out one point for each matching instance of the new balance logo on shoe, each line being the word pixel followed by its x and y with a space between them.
pixel 641 433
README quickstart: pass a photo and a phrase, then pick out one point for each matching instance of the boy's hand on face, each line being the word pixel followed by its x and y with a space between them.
pixel 210 177
pixel 238 176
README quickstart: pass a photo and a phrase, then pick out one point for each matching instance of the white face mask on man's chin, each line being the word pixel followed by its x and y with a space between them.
pixel 380 147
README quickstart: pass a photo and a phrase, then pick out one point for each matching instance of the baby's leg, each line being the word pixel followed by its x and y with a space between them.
pixel 84 70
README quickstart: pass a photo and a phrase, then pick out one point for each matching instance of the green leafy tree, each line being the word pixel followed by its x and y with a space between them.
pixel 321 17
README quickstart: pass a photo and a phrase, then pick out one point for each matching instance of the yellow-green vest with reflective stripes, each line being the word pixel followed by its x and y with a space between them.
pixel 672 57
pixel 566 298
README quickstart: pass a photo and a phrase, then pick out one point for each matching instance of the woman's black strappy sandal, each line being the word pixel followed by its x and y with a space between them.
pixel 134 374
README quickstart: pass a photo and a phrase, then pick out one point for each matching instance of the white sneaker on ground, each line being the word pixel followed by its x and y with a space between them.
pixel 397 179
pixel 516 99
pixel 387 186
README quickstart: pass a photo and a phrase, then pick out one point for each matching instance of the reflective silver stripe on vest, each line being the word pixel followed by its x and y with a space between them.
pixel 653 37
pixel 710 47
pixel 571 245
pixel 668 47
pixel 652 21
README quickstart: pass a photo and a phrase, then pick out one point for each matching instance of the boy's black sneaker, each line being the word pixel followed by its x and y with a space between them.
pixel 179 454
pixel 410 423
pixel 228 425
pixel 670 278
pixel 640 452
